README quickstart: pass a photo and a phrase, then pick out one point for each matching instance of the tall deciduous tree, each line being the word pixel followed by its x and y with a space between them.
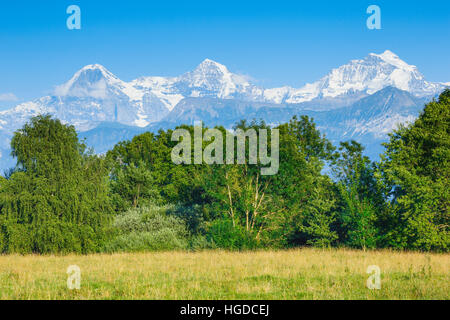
pixel 293 206
pixel 361 196
pixel 133 186
pixel 416 166
pixel 300 186
pixel 58 199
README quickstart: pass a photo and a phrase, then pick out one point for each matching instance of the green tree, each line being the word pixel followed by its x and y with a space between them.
pixel 236 194
pixel 133 186
pixel 58 199
pixel 416 168
pixel 292 207
pixel 174 183
pixel 301 188
pixel 361 196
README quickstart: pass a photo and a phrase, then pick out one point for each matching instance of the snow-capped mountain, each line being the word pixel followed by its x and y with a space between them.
pixel 95 96
pixel 368 120
pixel 343 85
pixel 360 78
pixel 210 79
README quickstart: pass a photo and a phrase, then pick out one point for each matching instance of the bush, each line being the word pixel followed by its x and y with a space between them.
pixel 193 215
pixel 200 242
pixel 224 235
pixel 148 228
pixel 165 239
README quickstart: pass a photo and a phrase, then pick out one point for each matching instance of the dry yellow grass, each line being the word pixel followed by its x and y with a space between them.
pixel 290 274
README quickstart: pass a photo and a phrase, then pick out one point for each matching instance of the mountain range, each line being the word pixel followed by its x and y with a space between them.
pixel 362 100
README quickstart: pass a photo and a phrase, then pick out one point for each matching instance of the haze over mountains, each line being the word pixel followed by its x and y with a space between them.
pixel 362 100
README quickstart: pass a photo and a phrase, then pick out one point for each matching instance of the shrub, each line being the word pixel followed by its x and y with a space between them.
pixel 165 239
pixel 224 235
pixel 200 242
pixel 193 215
pixel 148 228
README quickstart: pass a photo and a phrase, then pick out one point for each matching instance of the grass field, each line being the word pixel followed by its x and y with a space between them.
pixel 292 274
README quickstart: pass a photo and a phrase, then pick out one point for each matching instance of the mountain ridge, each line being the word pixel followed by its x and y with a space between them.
pixel 104 97
pixel 94 96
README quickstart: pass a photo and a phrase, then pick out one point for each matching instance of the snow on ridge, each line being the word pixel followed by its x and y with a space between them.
pixel 213 79
pixel 95 94
pixel 367 75
pixel 96 81
pixel 393 59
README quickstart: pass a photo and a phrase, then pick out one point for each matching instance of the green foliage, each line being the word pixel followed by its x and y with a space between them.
pixel 133 186
pixel 152 152
pixel 195 217
pixel 58 199
pixel 238 193
pixel 360 195
pixel 148 229
pixel 223 234
pixel 315 225
pixel 416 167
pixel 293 207
pixel 300 188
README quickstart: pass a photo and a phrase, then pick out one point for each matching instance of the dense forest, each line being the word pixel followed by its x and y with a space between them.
pixel 62 198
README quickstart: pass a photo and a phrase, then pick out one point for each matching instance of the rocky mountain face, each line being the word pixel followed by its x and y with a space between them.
pixel 364 99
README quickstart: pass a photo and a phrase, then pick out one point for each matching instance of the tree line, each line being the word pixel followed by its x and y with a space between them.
pixel 62 198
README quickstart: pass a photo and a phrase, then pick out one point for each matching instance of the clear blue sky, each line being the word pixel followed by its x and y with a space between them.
pixel 278 42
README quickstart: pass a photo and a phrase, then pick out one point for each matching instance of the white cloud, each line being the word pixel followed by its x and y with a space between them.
pixel 96 90
pixel 8 97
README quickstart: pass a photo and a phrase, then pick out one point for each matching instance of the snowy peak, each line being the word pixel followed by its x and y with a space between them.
pixel 369 75
pixel 91 81
pixel 209 79
pixel 378 71
pixel 366 76
pixel 94 94
pixel 208 75
pixel 91 75
pixel 212 79
pixel 208 67
pixel 97 82
pixel 393 59
pixel 96 69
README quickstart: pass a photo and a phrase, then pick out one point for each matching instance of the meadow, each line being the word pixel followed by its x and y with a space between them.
pixel 287 274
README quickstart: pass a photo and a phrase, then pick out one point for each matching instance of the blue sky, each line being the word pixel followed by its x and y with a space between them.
pixel 277 42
